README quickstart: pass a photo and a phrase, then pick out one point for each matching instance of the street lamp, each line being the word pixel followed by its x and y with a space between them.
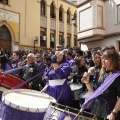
pixel 35 41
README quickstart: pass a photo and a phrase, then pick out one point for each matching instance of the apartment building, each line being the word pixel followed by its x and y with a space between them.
pixel 98 23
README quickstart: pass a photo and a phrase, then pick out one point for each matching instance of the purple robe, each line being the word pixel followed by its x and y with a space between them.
pixel 71 62
pixel 15 65
pixel 7 67
pixel 48 68
pixel 62 93
pixel 42 66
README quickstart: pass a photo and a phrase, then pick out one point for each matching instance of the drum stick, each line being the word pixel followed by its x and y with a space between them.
pixel 12 70
pixel 24 61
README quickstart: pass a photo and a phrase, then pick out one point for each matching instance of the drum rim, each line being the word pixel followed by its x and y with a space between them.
pixel 22 108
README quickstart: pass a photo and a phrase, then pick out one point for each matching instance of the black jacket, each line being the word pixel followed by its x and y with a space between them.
pixel 30 71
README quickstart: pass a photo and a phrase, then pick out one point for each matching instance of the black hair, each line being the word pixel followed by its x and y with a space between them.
pixel 3 61
pixel 70 54
pixel 17 53
pixel 94 53
pixel 80 52
pixel 48 59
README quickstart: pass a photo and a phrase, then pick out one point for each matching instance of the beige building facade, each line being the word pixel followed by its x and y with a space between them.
pixel 23 24
pixel 56 24
pixel 99 23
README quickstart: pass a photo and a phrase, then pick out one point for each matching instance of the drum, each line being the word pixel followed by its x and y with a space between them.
pixel 9 81
pixel 83 96
pixel 75 88
pixel 56 111
pixel 24 104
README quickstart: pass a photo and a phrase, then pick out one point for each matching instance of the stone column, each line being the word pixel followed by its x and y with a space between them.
pixel 48 26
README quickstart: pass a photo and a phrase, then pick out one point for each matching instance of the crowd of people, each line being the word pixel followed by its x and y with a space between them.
pixel 64 66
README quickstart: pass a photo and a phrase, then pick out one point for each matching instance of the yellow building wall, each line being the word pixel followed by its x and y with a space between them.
pixel 29 21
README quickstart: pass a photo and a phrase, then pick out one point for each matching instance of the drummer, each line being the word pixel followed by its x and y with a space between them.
pixel 61 70
pixel 16 60
pixel 4 65
pixel 30 71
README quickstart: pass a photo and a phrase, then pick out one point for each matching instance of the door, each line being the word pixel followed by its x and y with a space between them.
pixel 5 38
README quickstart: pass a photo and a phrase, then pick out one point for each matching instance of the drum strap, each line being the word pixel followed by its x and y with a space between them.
pixel 100 90
pixel 25 82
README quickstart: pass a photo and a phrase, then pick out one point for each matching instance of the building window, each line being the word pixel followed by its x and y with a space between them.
pixel 68 16
pixel 68 41
pixel 75 40
pixel 52 11
pixel 61 39
pixel 4 1
pixel 42 7
pixel 86 19
pixel 60 14
pixel 100 16
pixel 118 13
pixel 75 19
pixel 43 38
pixel 52 40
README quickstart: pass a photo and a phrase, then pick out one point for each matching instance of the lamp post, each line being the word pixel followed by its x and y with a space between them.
pixel 35 41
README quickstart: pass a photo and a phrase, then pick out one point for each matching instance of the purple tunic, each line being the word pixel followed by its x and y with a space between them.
pixel 7 67
pixel 62 93
pixel 48 68
pixel 15 65
pixel 71 62
pixel 42 66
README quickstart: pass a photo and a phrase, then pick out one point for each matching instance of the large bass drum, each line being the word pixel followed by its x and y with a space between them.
pixel 24 104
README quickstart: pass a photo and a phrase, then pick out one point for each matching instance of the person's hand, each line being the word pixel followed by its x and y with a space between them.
pixel 42 91
pixel 111 116
pixel 72 74
pixel 85 78
pixel 20 64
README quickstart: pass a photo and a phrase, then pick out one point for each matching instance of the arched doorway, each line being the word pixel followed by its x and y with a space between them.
pixel 5 38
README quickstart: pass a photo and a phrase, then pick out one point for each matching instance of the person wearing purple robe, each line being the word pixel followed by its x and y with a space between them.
pixel 61 92
pixel 38 59
pixel 70 59
pixel 4 65
pixel 16 60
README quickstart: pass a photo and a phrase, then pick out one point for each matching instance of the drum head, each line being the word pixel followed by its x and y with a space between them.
pixel 24 99
pixel 75 87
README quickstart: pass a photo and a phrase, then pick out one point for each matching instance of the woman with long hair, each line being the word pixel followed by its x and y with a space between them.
pixel 107 104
